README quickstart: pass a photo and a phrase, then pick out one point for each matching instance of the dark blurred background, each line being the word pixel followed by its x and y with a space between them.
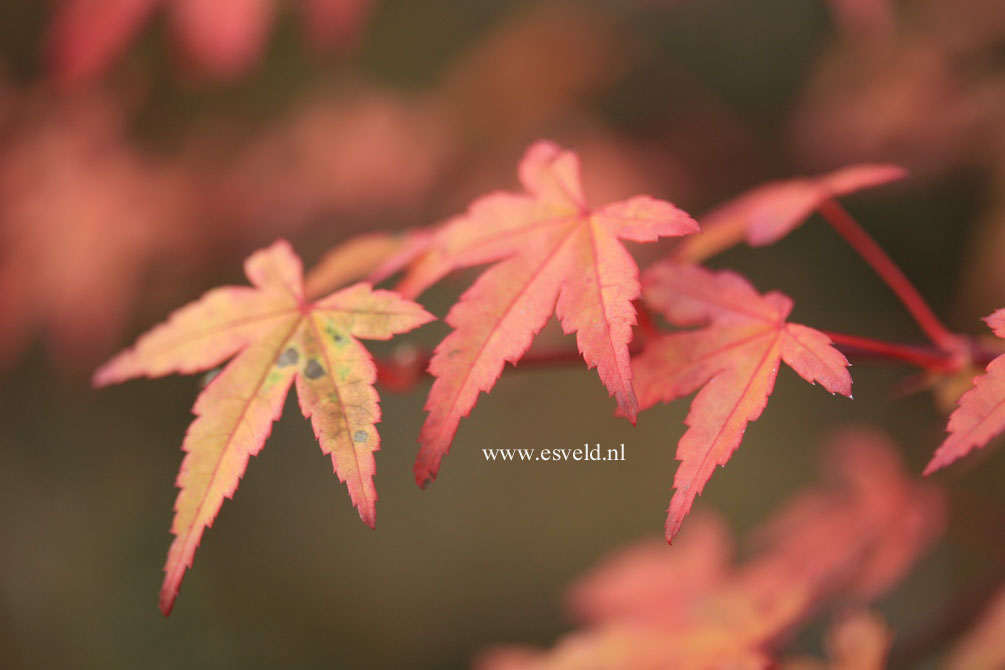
pixel 132 182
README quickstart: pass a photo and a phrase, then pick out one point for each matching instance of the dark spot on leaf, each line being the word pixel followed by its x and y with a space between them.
pixel 288 357
pixel 359 436
pixel 337 337
pixel 313 369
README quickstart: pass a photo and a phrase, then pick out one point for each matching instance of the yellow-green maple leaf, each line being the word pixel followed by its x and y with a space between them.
pixel 274 336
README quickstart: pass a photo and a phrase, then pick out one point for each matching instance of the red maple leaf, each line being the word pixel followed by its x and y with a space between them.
pixel 981 412
pixel 766 214
pixel 556 255
pixel 275 336
pixel 734 359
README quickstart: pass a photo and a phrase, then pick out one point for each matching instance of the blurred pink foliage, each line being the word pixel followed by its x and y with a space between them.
pixel 81 216
pixel 366 153
pixel 520 75
pixel 691 605
pixel 870 18
pixel 86 213
pixel 925 94
pixel 219 38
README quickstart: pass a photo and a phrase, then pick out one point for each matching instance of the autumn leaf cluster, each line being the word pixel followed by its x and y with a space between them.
pixel 415 237
pixel 549 252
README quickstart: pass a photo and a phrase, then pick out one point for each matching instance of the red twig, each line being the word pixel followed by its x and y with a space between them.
pixel 400 373
pixel 891 274
pixel 922 357
pixel 403 370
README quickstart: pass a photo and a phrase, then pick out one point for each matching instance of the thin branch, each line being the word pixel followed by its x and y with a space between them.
pixel 839 218
pixel 401 371
pixel 926 358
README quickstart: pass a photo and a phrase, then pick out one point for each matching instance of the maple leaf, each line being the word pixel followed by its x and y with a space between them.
pixel 981 411
pixel 557 256
pixel 375 255
pixel 275 336
pixel 766 214
pixel 734 360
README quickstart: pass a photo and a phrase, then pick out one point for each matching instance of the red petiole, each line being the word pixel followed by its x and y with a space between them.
pixel 884 266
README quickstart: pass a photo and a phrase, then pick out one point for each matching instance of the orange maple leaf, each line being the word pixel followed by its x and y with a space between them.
pixel 275 336
pixel 981 411
pixel 766 214
pixel 734 360
pixel 374 256
pixel 557 256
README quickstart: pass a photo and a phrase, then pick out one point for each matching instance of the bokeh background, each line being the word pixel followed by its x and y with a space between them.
pixel 143 155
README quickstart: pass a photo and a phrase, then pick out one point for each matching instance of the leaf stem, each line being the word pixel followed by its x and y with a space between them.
pixel 868 348
pixel 401 373
pixel 866 247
